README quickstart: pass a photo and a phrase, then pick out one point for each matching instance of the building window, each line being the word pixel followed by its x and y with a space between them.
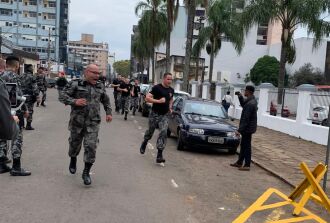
pixel 6 12
pixel 33 14
pixel 5 1
pixel 51 16
pixel 33 2
pixel 51 4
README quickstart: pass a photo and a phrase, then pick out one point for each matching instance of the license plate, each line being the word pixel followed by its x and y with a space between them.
pixel 217 140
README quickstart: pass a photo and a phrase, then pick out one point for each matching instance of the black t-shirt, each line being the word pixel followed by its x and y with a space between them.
pixel 159 91
pixel 115 82
pixel 136 91
pixel 125 86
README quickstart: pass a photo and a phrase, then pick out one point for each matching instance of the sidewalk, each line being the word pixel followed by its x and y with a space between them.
pixel 282 154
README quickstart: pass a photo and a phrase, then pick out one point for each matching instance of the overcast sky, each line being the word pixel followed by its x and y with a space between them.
pixel 110 21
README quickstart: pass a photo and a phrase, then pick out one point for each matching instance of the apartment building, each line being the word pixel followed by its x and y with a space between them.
pixel 90 52
pixel 37 26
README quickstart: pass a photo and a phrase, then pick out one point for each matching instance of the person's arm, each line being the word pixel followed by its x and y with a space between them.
pixel 66 96
pixel 150 97
pixel 245 118
pixel 8 126
pixel 241 100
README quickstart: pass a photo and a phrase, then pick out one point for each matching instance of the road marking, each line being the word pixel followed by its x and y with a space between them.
pixel 175 185
pixel 140 127
pixel 150 146
pixel 135 121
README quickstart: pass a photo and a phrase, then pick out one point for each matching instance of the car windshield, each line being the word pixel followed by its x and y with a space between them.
pixel 319 109
pixel 204 109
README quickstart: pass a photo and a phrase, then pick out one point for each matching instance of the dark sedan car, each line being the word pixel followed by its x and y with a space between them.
pixel 202 124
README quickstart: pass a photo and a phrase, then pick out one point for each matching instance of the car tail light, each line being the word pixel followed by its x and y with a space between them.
pixel 316 115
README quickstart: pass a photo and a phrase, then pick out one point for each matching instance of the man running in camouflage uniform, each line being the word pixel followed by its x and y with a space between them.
pixel 161 96
pixel 31 91
pixel 42 85
pixel 85 96
pixel 135 96
pixel 125 89
pixel 11 76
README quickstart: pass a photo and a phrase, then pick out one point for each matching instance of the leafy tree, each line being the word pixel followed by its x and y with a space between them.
pixel 191 9
pixel 222 22
pixel 290 14
pixel 172 9
pixel 152 26
pixel 308 74
pixel 265 70
pixel 122 67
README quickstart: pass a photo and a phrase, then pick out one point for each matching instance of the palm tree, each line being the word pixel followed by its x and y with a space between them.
pixel 172 14
pixel 290 14
pixel 141 52
pixel 152 26
pixel 222 22
pixel 191 8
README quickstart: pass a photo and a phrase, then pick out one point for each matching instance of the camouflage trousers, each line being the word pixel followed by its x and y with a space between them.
pixel 44 96
pixel 16 147
pixel 125 103
pixel 134 102
pixel 30 106
pixel 88 137
pixel 161 122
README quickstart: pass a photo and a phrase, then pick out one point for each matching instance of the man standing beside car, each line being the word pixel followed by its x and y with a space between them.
pixel 247 127
pixel 42 85
pixel 161 96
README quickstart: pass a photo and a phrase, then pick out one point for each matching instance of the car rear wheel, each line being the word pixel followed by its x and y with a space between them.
pixel 232 151
pixel 325 122
pixel 180 145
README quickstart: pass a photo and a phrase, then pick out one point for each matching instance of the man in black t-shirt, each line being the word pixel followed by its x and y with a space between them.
pixel 161 96
pixel 125 89
pixel 115 84
pixel 135 92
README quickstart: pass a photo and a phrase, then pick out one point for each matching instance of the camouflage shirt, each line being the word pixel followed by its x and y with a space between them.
pixel 12 77
pixel 41 82
pixel 29 85
pixel 88 115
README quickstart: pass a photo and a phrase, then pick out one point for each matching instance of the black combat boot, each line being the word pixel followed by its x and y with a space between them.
pixel 143 146
pixel 28 126
pixel 160 158
pixel 125 116
pixel 73 165
pixel 16 170
pixel 85 176
pixel 134 110
pixel 43 104
pixel 3 166
pixel 122 111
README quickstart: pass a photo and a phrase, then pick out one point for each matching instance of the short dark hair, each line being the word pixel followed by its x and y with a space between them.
pixel 250 88
pixel 11 61
pixel 228 92
pixel 167 74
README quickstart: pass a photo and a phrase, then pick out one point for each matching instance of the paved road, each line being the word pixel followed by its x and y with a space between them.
pixel 193 187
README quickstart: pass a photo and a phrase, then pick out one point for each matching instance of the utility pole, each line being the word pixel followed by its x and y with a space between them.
pixel 0 41
pixel 48 53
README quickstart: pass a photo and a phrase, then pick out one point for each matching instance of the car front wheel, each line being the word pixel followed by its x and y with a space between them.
pixel 232 151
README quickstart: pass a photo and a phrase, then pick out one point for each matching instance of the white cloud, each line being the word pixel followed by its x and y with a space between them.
pixel 110 21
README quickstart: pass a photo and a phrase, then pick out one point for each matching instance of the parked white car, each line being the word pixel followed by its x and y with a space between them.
pixel 320 115
pixel 180 94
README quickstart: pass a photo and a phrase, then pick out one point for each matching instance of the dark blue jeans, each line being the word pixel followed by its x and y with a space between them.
pixel 245 153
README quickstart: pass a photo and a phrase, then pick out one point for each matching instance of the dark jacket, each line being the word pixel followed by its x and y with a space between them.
pixel 8 127
pixel 248 122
